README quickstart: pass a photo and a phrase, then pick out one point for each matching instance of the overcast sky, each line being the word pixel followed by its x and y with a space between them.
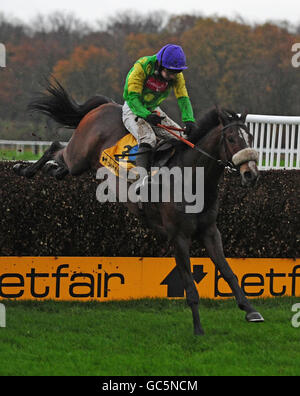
pixel 93 10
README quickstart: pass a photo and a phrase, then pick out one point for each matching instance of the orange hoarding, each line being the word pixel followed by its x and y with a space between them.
pixel 117 278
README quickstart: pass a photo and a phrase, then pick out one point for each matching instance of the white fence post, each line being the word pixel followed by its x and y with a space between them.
pixel 298 150
pixel 279 143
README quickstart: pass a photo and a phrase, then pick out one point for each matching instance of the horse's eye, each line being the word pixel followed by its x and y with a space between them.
pixel 231 140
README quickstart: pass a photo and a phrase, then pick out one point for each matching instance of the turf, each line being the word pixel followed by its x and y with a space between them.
pixel 148 337
pixel 14 155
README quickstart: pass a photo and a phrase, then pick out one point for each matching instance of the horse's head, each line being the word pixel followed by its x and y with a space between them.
pixel 235 146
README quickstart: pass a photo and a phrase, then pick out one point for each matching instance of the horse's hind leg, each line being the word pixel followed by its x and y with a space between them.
pixel 31 170
pixel 57 167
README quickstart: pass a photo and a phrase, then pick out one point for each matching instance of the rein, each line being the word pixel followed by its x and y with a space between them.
pixel 227 164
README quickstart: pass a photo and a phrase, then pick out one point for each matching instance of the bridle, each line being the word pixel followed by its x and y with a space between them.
pixel 227 164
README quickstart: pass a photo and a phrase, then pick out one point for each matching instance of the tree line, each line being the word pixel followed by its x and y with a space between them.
pixel 231 63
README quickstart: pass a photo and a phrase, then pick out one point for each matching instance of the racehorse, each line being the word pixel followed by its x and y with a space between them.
pixel 221 140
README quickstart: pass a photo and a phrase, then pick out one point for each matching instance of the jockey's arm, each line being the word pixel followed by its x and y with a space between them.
pixel 183 99
pixel 135 83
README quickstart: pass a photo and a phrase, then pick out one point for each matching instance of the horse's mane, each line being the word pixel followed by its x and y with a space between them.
pixel 205 124
pixel 210 120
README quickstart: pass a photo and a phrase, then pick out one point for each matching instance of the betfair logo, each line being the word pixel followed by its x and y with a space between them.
pixel 88 287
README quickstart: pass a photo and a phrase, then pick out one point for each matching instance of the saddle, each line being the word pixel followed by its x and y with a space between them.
pixel 123 154
pixel 163 152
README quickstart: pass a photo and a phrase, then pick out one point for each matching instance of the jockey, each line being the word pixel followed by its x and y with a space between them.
pixel 148 83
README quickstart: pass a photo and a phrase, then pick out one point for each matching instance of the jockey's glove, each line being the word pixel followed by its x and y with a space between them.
pixel 154 119
pixel 190 126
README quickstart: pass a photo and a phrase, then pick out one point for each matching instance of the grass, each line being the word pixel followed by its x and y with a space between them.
pixel 27 155
pixel 147 337
pixel 282 163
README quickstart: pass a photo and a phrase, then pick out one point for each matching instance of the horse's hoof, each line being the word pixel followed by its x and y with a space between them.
pixel 198 332
pixel 61 173
pixel 50 165
pixel 254 317
pixel 17 168
pixel 23 170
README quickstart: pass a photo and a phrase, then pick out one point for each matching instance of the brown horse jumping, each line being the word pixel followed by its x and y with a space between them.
pixel 219 140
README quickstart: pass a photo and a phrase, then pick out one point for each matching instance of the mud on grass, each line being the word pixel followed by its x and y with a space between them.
pixel 148 337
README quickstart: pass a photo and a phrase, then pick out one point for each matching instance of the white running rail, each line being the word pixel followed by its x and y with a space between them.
pixel 37 147
pixel 276 138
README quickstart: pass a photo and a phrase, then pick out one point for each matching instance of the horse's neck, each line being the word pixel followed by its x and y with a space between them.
pixel 212 170
pixel 210 144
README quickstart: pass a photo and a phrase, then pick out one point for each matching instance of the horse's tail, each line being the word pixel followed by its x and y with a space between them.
pixel 61 107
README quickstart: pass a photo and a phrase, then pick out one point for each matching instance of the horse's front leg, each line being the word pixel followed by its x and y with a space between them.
pixel 214 246
pixel 181 247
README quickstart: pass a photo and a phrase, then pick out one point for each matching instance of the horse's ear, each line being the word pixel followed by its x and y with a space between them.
pixel 244 116
pixel 221 115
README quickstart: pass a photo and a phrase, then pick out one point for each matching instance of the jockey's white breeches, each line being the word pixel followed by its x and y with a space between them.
pixel 142 130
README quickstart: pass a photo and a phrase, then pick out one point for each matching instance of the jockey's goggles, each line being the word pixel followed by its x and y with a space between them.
pixel 171 71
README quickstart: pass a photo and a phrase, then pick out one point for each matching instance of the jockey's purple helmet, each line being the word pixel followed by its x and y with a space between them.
pixel 172 57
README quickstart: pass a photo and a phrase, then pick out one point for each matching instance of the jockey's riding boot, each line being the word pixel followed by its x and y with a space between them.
pixel 143 159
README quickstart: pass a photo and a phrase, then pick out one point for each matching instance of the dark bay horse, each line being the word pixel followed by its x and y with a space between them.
pixel 221 139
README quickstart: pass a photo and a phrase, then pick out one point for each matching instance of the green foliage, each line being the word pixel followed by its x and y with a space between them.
pixel 230 62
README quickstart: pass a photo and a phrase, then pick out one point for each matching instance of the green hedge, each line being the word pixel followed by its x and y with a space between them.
pixel 45 217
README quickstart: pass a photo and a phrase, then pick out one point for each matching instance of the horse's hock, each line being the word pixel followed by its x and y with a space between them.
pixel 46 217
